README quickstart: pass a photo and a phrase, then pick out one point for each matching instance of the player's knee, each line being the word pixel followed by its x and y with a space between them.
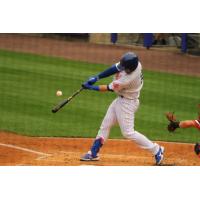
pixel 128 134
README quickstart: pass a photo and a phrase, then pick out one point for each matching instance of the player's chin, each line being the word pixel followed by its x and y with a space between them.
pixel 128 71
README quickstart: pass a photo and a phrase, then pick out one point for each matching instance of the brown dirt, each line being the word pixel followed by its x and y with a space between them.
pixel 67 151
pixel 22 150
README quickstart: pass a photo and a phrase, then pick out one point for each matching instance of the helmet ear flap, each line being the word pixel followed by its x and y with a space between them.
pixel 129 61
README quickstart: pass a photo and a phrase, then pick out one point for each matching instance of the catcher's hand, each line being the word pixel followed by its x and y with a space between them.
pixel 197 148
pixel 173 125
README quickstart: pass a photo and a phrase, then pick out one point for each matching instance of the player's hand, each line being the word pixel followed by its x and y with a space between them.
pixel 92 80
pixel 90 87
pixel 86 86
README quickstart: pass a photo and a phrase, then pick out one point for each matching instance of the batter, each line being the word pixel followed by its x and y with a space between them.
pixel 127 84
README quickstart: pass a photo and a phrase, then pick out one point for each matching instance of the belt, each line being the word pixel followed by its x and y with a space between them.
pixel 125 97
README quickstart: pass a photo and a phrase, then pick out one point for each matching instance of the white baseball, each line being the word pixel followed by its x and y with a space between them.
pixel 59 93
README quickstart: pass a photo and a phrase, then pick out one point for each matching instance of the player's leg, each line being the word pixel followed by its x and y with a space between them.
pixel 109 120
pixel 103 134
pixel 125 116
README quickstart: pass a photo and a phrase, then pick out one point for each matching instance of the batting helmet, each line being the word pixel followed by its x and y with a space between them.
pixel 129 61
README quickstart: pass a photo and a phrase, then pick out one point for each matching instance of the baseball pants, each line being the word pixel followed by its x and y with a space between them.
pixel 122 111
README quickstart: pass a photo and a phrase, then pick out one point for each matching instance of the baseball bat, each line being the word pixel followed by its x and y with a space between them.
pixel 65 101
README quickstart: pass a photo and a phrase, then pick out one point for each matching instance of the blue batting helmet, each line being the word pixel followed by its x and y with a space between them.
pixel 129 61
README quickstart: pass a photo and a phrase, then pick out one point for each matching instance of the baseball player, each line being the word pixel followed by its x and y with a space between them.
pixel 174 124
pixel 127 83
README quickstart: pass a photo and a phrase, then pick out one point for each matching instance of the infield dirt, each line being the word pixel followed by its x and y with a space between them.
pixel 17 150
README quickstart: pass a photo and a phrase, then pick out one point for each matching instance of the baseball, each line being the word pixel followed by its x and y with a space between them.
pixel 59 93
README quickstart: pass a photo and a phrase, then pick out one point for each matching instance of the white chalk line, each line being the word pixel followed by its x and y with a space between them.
pixel 42 155
pixel 45 155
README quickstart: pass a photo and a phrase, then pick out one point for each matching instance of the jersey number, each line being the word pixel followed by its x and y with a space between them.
pixel 141 77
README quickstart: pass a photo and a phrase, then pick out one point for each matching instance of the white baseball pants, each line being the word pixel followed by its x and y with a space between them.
pixel 122 111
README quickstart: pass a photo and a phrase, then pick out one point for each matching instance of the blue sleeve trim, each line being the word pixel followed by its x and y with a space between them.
pixel 95 87
pixel 108 72
pixel 119 67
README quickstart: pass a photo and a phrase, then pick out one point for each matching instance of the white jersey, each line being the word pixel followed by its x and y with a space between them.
pixel 128 85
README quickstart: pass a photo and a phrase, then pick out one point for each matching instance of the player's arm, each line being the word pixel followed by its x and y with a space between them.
pixel 113 86
pixel 100 88
pixel 108 72
pixel 122 83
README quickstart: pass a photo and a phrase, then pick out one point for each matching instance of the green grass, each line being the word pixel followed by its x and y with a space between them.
pixel 28 84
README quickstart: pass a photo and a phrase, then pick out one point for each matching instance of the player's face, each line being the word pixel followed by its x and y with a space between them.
pixel 128 71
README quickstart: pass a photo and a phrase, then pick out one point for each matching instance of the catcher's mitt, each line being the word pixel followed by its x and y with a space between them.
pixel 170 116
pixel 197 148
pixel 173 125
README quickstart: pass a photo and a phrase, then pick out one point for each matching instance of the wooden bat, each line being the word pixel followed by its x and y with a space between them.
pixel 65 101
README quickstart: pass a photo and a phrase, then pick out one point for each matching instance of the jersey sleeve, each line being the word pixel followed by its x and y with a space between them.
pixel 108 72
pixel 119 67
pixel 123 82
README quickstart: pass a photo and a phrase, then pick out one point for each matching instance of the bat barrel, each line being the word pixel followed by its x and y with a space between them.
pixel 54 110
pixel 64 102
pixel 60 105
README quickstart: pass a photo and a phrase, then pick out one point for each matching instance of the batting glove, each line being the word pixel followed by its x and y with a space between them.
pixel 92 80
pixel 90 87
pixel 86 85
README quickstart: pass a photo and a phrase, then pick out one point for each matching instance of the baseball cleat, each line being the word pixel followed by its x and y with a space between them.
pixel 159 156
pixel 88 157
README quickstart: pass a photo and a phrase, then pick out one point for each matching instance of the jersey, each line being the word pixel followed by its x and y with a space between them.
pixel 127 85
pixel 197 124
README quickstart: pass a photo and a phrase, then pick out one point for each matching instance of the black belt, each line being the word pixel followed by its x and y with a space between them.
pixel 125 97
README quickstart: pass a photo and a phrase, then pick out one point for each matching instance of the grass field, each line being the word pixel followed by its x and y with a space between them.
pixel 28 84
